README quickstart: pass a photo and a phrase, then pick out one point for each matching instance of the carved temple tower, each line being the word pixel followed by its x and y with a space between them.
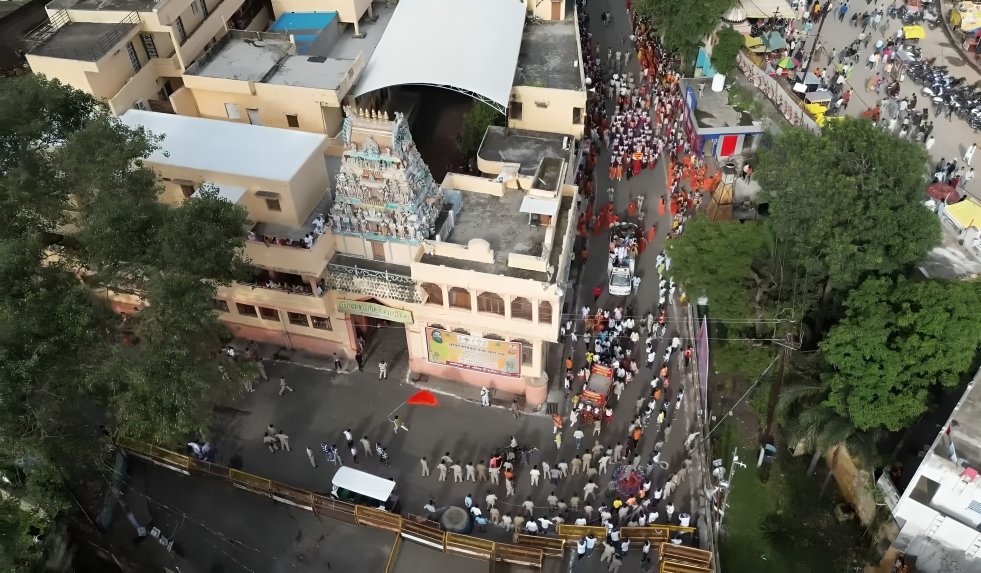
pixel 384 190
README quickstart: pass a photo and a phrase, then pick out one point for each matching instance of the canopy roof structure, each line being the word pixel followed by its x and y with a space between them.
pixel 767 9
pixel 470 46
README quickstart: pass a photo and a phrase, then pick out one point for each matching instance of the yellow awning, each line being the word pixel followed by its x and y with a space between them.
pixel 914 32
pixel 966 213
pixel 815 108
pixel 750 41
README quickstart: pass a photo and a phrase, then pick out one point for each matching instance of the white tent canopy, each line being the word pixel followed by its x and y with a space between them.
pixel 470 46
pixel 767 9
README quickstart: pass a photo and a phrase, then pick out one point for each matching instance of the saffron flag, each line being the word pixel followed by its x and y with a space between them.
pixel 423 398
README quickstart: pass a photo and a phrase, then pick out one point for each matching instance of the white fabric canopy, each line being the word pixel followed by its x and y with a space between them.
pixel 466 45
pixel 767 8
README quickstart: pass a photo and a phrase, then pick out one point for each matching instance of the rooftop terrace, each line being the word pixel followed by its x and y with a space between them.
pixel 549 56
pixel 83 41
pixel 510 233
pixel 713 110
pixel 107 5
pixel 527 148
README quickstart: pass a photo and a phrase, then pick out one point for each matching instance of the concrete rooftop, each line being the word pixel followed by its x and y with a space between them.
pixel 524 147
pixel 549 56
pixel 713 109
pixel 84 41
pixel 274 59
pixel 510 233
pixel 107 5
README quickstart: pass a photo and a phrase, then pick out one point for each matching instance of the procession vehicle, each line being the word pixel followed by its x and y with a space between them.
pixel 621 272
pixel 363 488
pixel 596 393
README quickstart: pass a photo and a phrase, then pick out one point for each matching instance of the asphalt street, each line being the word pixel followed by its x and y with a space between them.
pixel 953 135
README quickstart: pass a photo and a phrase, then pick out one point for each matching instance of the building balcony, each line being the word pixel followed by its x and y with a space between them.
pixel 144 85
pixel 280 252
pixel 363 277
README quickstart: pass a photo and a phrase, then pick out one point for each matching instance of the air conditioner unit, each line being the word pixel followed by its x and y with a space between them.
pixel 141 104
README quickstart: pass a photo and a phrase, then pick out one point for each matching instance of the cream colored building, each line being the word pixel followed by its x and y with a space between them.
pixel 131 53
pixel 263 79
pixel 549 92
pixel 399 253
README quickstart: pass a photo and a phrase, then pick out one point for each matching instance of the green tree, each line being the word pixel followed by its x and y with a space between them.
pixel 847 203
pixel 726 49
pixel 682 25
pixel 898 341
pixel 69 213
pixel 479 118
pixel 724 261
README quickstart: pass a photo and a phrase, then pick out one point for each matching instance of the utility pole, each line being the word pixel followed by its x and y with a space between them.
pixel 817 36
pixel 777 385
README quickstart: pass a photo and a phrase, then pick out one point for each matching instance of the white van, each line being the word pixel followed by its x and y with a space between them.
pixel 356 486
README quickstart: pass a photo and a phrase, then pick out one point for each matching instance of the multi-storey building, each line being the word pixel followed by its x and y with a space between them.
pixel 939 513
pixel 390 251
pixel 132 53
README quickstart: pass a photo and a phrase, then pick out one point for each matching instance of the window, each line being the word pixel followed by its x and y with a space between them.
pixel 149 45
pixel 514 110
pixel 298 319
pixel 321 323
pixel 434 293
pixel 292 120
pixel 187 190
pixel 254 117
pixel 204 9
pixel 268 313
pixel 459 298
pixel 246 309
pixel 181 33
pixel 577 115
pixel 271 199
pixel 490 302
pixel 220 305
pixel 545 312
pixel 233 111
pixel 493 337
pixel 521 308
pixel 437 326
pixel 133 58
pixel 527 351
pixel 462 331
pixel 194 8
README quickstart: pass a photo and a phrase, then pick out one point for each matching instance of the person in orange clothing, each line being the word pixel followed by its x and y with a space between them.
pixel 661 207
pixel 632 208
pixel 652 233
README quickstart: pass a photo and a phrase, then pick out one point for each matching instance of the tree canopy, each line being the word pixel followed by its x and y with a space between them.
pixel 721 260
pixel 898 341
pixel 848 201
pixel 682 25
pixel 478 119
pixel 726 49
pixel 78 204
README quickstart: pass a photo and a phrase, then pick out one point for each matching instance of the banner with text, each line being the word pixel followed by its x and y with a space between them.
pixel 702 354
pixel 473 352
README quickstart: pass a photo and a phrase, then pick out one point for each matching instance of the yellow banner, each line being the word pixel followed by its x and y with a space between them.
pixel 374 310
pixel 473 352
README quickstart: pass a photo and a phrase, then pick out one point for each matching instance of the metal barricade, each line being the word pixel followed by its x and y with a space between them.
pixel 574 532
pixel 518 555
pixel 655 534
pixel 424 534
pixel 378 518
pixel 247 481
pixel 468 546
pixel 550 546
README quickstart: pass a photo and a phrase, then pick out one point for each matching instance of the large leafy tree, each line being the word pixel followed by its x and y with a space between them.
pixel 681 24
pixel 898 341
pixel 725 261
pixel 478 119
pixel 76 202
pixel 848 203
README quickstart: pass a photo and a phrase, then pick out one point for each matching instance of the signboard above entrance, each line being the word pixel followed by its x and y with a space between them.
pixel 374 310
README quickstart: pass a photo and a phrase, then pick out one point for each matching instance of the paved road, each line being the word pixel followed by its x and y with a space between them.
pixel 954 135
pixel 324 403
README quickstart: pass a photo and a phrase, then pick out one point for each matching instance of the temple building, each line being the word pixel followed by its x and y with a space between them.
pixel 370 252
